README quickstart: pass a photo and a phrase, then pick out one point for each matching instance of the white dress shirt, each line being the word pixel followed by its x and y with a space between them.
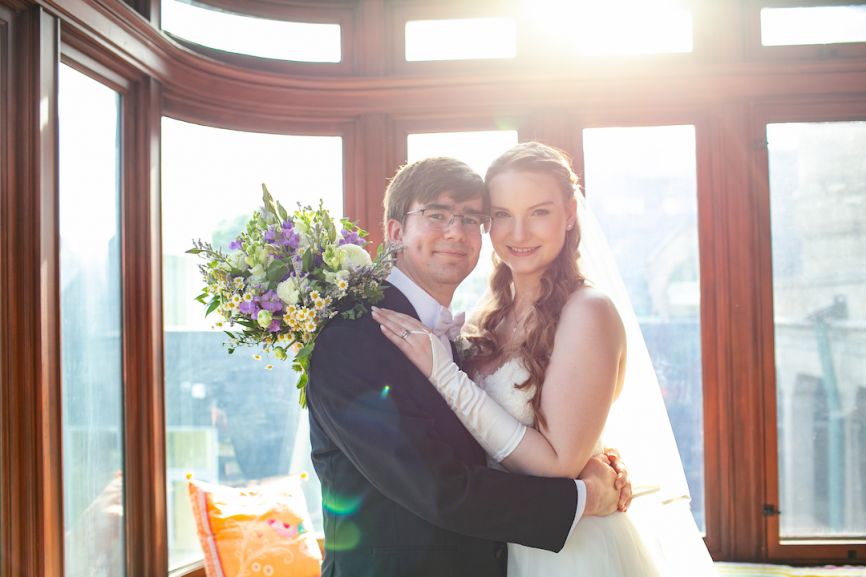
pixel 428 310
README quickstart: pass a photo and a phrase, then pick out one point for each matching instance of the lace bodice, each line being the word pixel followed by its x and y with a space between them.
pixel 500 386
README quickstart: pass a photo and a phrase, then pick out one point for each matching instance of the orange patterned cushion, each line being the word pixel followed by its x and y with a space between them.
pixel 255 532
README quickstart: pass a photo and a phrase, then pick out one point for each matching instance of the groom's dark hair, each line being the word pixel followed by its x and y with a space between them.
pixel 424 180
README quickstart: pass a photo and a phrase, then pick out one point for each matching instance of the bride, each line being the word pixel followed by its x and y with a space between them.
pixel 549 363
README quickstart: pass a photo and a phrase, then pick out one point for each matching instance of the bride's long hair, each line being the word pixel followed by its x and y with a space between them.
pixel 560 279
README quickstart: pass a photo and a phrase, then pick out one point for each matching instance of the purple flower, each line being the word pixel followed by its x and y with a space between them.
pixel 287 225
pixel 351 237
pixel 271 234
pixel 235 244
pixel 290 239
pixel 275 326
pixel 271 302
pixel 250 308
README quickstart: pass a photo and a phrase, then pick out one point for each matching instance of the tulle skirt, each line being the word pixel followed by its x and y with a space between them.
pixel 651 540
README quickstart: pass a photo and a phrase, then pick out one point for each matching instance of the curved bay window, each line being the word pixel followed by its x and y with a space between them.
pixel 718 143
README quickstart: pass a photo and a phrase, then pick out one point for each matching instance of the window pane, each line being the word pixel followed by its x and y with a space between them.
pixel 615 26
pixel 818 208
pixel 461 39
pixel 813 25
pixel 209 26
pixel 91 331
pixel 478 150
pixel 641 185
pixel 228 419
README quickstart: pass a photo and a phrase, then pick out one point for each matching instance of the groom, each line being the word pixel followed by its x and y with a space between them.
pixel 405 488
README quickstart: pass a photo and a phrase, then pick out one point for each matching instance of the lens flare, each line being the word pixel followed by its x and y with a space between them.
pixel 341 505
pixel 347 537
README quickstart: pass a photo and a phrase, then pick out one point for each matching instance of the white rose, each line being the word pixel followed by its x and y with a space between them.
pixel 288 292
pixel 258 274
pixel 353 256
pixel 237 260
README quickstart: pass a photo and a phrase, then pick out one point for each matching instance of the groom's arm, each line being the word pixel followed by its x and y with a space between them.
pixel 395 444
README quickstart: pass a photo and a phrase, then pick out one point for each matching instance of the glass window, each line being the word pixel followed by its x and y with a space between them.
pixel 818 220
pixel 813 25
pixel 229 419
pixel 614 27
pixel 209 26
pixel 641 183
pixel 478 150
pixel 91 329
pixel 461 39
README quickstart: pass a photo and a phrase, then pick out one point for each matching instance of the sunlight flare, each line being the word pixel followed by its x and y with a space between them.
pixel 593 28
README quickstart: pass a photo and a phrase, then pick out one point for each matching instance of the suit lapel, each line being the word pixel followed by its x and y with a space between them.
pixel 454 352
pixel 454 431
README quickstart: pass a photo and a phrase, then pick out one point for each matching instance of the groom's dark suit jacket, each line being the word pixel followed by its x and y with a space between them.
pixel 405 489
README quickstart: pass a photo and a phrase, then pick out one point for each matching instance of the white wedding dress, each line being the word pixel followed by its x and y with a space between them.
pixel 599 546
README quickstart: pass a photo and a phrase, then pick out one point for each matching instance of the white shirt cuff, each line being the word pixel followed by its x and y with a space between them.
pixel 581 504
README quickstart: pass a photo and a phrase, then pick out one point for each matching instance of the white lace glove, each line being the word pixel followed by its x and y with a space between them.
pixel 493 427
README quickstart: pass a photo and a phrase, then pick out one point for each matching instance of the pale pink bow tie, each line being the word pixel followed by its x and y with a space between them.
pixel 448 325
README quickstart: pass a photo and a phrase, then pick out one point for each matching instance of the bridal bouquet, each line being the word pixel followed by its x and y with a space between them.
pixel 285 276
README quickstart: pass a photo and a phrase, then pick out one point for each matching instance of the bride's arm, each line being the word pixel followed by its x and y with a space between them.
pixel 580 383
pixel 583 373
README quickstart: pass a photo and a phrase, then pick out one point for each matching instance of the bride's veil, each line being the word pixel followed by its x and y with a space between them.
pixel 639 428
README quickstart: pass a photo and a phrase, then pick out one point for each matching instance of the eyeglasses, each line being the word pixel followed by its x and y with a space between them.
pixel 442 219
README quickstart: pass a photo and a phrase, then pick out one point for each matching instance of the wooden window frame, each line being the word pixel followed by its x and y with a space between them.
pixel 344 14
pixel 399 13
pixel 406 125
pixel 30 490
pixel 713 318
pixel 819 52
pixel 141 289
pixel 806 550
pixel 532 45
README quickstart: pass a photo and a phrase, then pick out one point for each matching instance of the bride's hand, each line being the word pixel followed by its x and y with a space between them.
pixel 623 481
pixel 408 335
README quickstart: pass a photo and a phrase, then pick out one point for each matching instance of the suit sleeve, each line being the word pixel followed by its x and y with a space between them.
pixel 378 424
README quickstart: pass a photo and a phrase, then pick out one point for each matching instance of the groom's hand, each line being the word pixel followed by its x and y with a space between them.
pixel 602 496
